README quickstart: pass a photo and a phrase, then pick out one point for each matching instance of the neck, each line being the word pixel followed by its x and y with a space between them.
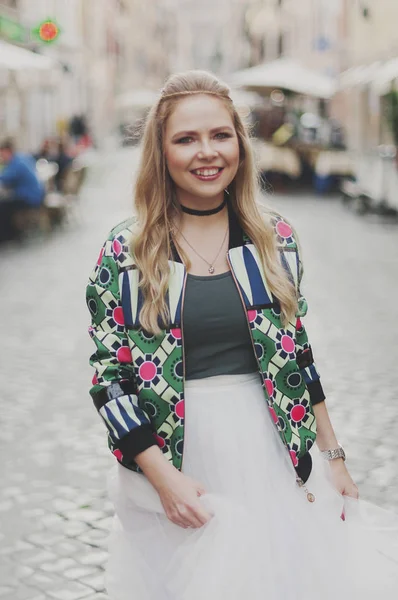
pixel 191 223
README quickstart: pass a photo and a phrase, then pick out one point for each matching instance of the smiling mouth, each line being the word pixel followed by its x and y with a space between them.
pixel 208 173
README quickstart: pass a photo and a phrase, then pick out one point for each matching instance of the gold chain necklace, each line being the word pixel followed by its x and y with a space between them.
pixel 211 264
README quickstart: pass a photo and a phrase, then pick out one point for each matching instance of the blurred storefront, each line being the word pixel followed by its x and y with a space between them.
pixel 85 58
pixel 368 97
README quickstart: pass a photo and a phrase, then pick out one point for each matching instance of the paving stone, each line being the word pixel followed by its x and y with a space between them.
pixel 69 547
pixel 33 513
pixel 77 573
pixel 44 538
pixel 84 514
pixel 97 582
pixel 44 581
pixel 12 492
pixel 70 591
pixel 21 545
pixel 34 557
pixel 61 505
pixel 66 491
pixel 58 566
pixel 73 529
pixel 95 537
pixel 51 520
pixel 21 592
pixel 105 524
pixel 94 557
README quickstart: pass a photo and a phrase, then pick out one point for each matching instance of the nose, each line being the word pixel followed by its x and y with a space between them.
pixel 207 151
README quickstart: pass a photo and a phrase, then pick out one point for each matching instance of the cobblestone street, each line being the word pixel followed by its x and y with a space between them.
pixel 54 514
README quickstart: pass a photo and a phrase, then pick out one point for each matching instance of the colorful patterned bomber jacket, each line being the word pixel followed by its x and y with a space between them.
pixel 138 385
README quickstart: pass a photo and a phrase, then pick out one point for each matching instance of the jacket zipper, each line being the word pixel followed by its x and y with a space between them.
pixel 184 285
pixel 300 482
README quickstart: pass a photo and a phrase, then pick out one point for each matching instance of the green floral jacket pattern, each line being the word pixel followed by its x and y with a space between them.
pixel 138 385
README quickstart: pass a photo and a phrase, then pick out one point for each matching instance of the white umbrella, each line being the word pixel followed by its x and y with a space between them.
pixel 13 58
pixel 287 74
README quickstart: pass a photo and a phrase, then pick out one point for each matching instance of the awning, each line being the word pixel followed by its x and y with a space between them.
pixel 361 75
pixel 14 58
pixel 385 76
pixel 378 75
pixel 244 98
pixel 286 74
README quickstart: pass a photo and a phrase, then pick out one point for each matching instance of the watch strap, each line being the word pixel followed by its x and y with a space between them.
pixel 335 453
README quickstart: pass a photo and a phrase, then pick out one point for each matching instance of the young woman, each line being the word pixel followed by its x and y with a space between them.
pixel 206 381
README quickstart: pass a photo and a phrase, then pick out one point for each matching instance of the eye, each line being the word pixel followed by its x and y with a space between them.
pixel 222 135
pixel 184 140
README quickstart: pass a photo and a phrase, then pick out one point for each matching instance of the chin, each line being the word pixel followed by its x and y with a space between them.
pixel 208 194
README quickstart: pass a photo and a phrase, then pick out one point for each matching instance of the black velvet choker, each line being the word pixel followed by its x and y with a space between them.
pixel 204 213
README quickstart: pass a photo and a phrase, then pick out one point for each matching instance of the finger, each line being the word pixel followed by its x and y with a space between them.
pixel 351 493
pixel 202 515
pixel 194 522
pixel 180 522
pixel 185 517
pixel 192 516
pixel 189 521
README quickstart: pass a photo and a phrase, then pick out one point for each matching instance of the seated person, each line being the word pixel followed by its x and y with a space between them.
pixel 21 187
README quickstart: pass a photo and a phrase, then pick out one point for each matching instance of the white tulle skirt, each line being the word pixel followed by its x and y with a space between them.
pixel 265 540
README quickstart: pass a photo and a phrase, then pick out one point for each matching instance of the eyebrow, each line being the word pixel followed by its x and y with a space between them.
pixel 215 130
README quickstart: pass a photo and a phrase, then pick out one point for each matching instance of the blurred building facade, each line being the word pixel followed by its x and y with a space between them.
pixel 107 48
pixel 95 57
pixel 307 31
pixel 210 35
pixel 369 49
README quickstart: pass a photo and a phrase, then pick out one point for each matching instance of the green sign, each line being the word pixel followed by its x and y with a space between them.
pixel 12 30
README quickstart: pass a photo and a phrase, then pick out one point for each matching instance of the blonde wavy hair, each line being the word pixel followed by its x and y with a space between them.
pixel 155 205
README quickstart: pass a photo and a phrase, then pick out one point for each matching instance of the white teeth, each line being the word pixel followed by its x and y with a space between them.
pixel 206 172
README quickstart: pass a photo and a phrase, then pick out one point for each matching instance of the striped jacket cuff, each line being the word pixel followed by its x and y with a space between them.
pixel 135 442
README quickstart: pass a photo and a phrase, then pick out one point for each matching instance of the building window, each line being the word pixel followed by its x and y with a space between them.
pixel 261 53
pixel 281 45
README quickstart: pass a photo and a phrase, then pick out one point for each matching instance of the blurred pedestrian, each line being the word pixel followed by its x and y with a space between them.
pixel 47 150
pixel 77 127
pixel 21 188
pixel 64 161
pixel 206 381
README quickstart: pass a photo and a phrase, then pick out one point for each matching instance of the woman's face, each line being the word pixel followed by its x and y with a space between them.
pixel 201 148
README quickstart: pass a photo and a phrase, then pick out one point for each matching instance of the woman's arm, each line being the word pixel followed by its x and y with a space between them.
pixel 116 398
pixel 178 493
pixel 326 440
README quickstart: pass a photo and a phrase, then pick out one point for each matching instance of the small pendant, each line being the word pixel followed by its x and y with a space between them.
pixel 310 496
pixel 211 269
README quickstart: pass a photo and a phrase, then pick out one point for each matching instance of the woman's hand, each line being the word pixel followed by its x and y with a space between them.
pixel 179 495
pixel 342 479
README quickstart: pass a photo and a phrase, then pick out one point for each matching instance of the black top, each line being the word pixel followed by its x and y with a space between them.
pixel 216 335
